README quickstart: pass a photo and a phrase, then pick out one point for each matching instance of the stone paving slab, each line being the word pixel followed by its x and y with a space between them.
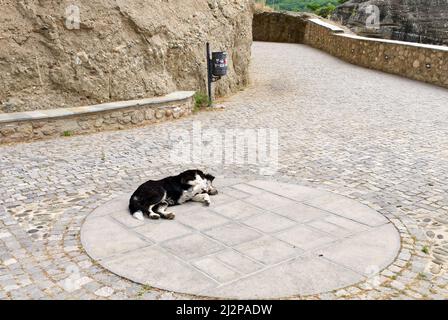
pixel 233 234
pixel 301 212
pixel 269 250
pixel 347 208
pixel 160 269
pixel 114 238
pixel 202 219
pixel 238 261
pixel 238 210
pixel 382 244
pixel 156 232
pixel 117 205
pixel 303 275
pixel 305 238
pixel 256 243
pixel 192 246
pixel 217 269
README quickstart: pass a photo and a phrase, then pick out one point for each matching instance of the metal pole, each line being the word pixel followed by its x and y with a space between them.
pixel 209 75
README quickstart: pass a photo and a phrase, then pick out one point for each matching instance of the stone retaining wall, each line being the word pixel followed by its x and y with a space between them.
pixel 422 62
pixel 275 27
pixel 24 126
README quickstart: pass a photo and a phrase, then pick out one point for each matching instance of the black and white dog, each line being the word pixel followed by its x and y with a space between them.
pixel 154 196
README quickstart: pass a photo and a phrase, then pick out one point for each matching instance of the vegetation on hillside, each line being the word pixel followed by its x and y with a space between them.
pixel 322 8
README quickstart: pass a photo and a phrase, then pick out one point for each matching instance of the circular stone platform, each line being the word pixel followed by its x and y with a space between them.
pixel 258 239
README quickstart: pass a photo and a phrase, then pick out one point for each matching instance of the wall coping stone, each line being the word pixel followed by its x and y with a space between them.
pixel 341 32
pixel 67 112
pixel 327 25
pixel 404 43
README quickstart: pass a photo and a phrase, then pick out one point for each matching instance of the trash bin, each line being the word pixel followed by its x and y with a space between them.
pixel 219 64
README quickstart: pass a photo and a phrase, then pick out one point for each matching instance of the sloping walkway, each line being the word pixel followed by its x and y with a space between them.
pixel 376 138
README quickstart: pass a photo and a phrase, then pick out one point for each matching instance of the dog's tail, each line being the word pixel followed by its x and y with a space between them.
pixel 134 204
pixel 136 208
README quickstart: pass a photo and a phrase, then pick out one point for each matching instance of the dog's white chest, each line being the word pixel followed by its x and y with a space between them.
pixel 197 186
pixel 189 194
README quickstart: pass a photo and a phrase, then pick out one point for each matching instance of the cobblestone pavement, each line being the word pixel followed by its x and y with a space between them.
pixel 376 138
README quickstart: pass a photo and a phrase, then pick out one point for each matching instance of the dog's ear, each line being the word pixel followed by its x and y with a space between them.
pixel 187 177
pixel 201 174
pixel 209 177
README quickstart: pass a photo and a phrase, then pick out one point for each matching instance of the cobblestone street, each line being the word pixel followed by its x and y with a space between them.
pixel 373 137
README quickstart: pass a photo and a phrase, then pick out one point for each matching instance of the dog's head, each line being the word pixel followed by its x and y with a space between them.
pixel 210 189
pixel 200 180
pixel 194 178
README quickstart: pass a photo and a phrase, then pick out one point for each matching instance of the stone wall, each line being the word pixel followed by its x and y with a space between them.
pixel 25 126
pixel 422 62
pixel 275 27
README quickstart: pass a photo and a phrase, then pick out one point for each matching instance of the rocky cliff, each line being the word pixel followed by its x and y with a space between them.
pixel 119 50
pixel 423 21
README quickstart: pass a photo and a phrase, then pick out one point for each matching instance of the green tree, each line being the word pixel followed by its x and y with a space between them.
pixel 313 6
pixel 320 7
pixel 325 11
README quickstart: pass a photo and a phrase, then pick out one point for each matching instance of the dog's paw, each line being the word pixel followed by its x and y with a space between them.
pixel 138 215
pixel 154 216
pixel 169 216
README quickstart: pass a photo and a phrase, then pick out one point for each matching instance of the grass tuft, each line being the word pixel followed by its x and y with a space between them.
pixel 201 101
pixel 421 276
pixel 143 290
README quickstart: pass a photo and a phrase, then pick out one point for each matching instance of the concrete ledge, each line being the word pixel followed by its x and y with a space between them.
pixel 66 112
pixel 23 126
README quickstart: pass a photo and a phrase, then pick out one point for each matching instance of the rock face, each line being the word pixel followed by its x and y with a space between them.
pixel 423 21
pixel 122 49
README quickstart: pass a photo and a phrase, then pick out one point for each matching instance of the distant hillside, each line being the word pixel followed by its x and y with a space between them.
pixel 321 7
pixel 298 5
